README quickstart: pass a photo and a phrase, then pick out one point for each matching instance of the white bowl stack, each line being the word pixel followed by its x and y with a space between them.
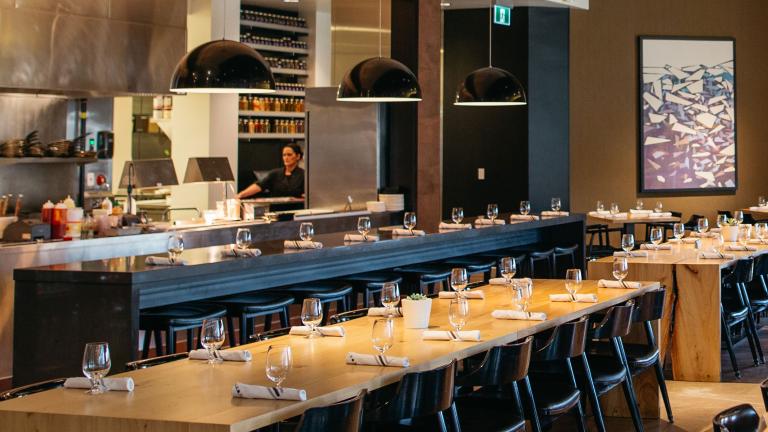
pixel 376 206
pixel 393 202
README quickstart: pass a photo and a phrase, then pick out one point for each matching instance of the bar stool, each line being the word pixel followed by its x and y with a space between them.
pixel 519 257
pixel 563 259
pixel 369 285
pixel 247 306
pixel 541 264
pixel 474 265
pixel 328 291
pixel 423 278
pixel 173 318
pixel 741 418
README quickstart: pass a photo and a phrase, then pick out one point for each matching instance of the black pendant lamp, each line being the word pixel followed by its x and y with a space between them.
pixel 490 86
pixel 379 79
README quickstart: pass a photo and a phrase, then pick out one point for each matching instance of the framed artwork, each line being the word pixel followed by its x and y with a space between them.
pixel 687 115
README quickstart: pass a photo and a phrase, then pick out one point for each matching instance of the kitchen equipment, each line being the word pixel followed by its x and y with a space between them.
pixel 26 230
pixel 58 221
pixel 60 148
pixel 12 148
pixel 4 222
pixel 105 144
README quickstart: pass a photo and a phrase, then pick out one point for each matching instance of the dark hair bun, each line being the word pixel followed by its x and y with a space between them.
pixel 296 149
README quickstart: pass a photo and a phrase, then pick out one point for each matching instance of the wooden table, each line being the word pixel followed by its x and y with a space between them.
pixel 695 342
pixel 193 396
pixel 631 219
pixel 761 214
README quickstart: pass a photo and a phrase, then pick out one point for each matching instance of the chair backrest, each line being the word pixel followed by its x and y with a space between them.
pixel 744 270
pixel 563 342
pixel 345 416
pixel 741 418
pixel 32 389
pixel 503 364
pixel 693 221
pixel 545 269
pixel 154 361
pixel 616 323
pixel 727 213
pixel 764 390
pixel 749 219
pixel 650 306
pixel 270 334
pixel 346 316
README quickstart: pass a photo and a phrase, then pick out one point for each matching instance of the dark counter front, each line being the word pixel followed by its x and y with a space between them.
pixel 59 308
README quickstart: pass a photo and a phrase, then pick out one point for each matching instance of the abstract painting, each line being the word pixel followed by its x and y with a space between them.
pixel 688 115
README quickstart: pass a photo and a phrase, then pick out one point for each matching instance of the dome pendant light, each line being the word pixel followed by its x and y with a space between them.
pixel 490 86
pixel 379 79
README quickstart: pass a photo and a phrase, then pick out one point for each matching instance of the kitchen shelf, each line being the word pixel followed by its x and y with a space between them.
pixel 287 93
pixel 290 71
pixel 281 114
pixel 280 27
pixel 282 49
pixel 270 136
pixel 46 160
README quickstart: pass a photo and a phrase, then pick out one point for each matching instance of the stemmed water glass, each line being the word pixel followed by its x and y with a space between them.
pixel 459 280
pixel 525 208
pixel 312 316
pixel 761 201
pixel 212 338
pixel 409 221
pixel 175 246
pixel 457 215
pixel 383 335
pixel 722 220
pixel 678 230
pixel 243 238
pixel 639 204
pixel 508 269
pixel 600 206
pixel 702 225
pixel 458 313
pixel 364 226
pixel 555 204
pixel 627 242
pixel 278 363
pixel 390 296
pixel 744 234
pixel 614 208
pixel 521 291
pixel 657 235
pixel 620 269
pixel 761 229
pixel 573 282
pixel 718 243
pixel 492 212
pixel 659 207
pixel 306 231
pixel 96 365
pixel 739 216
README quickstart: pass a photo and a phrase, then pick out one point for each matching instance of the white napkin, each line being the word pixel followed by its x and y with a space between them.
pixel 547 214
pixel 481 221
pixel 454 226
pixel 250 391
pixel 700 235
pixel 163 261
pixel 715 230
pixel 382 311
pixel 376 360
pixel 715 255
pixel 360 238
pixel 599 213
pixel 518 315
pixel 740 248
pixel 325 331
pixel 514 218
pixel 114 384
pixel 758 241
pixel 622 215
pixel 502 281
pixel 631 254
pixel 302 244
pixel 651 246
pixel 477 294
pixel 580 298
pixel 608 283
pixel 759 209
pixel 401 232
pixel 640 212
pixel 686 240
pixel 446 335
pixel 237 253
pixel 226 355
pixel 660 215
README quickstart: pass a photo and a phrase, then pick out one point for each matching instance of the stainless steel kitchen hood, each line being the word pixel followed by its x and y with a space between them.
pixel 90 47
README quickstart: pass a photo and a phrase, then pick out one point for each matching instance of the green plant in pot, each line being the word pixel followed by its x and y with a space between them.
pixel 416 309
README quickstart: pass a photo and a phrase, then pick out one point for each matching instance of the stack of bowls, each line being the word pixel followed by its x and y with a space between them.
pixel 376 206
pixel 393 202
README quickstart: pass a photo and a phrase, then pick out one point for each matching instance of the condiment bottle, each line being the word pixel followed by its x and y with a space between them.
pixel 69 202
pixel 58 221
pixel 73 227
pixel 47 213
pixel 106 204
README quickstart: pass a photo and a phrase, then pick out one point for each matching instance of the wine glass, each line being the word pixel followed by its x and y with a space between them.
pixel 744 234
pixel 306 231
pixel 521 292
pixel 383 335
pixel 312 316
pixel 278 363
pixel 761 230
pixel 508 268
pixel 659 207
pixel 409 221
pixel 364 226
pixel 458 313
pixel 457 215
pixel 525 208
pixel 627 242
pixel 573 282
pixel 492 212
pixel 722 220
pixel 555 204
pixel 761 201
pixel 390 295
pixel 212 338
pixel 657 235
pixel 702 225
pixel 243 238
pixel 614 208
pixel 620 268
pixel 96 365
pixel 718 243
pixel 739 216
pixel 678 230
pixel 459 280
pixel 175 246
pixel 639 204
pixel 600 206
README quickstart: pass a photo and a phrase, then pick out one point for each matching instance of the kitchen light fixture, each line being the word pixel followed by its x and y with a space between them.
pixel 490 86
pixel 379 79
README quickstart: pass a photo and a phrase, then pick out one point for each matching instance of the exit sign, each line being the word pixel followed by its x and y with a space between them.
pixel 502 15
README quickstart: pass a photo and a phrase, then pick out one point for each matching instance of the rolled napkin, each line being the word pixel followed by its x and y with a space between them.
pixel 382 311
pixel 660 215
pixel 715 230
pixel 740 248
pixel 238 253
pixel 445 226
pixel 686 240
pixel 114 384
pixel 360 238
pixel 514 218
pixel 481 221
pixel 163 261
pixel 758 241
pixel 651 246
pixel 376 360
pixel 715 255
pixel 518 315
pixel 622 215
pixel 608 283
pixel 640 212
pixel 502 281
pixel 477 294
pixel 302 244
pixel 226 355
pixel 580 298
pixel 758 209
pixel 325 331
pixel 599 213
pixel 631 254
pixel 702 235
pixel 401 232
pixel 447 335
pixel 251 391
pixel 547 214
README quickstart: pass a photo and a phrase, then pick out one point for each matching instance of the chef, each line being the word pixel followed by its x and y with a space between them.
pixel 287 181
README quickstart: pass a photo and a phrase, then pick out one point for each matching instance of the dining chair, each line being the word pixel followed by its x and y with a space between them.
pixel 247 306
pixel 741 418
pixel 348 316
pixel 154 361
pixel 32 389
pixel 734 311
pixel 344 416
pixel 757 290
pixel 541 264
pixel 764 391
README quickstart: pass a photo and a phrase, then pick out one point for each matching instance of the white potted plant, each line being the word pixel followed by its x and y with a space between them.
pixel 416 310
pixel 730 230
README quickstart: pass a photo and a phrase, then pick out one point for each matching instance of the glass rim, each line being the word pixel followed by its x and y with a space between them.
pixel 279 345
pixel 96 343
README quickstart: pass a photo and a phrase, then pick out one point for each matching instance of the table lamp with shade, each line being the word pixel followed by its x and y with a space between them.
pixel 209 170
pixel 146 173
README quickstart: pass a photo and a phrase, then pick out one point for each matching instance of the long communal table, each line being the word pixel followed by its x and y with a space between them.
pixel 189 395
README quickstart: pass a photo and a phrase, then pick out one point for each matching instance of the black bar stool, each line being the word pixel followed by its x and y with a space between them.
pixel 369 285
pixel 541 264
pixel 474 265
pixel 423 278
pixel 519 257
pixel 247 306
pixel 328 291
pixel 173 318
pixel 741 418
pixel 564 258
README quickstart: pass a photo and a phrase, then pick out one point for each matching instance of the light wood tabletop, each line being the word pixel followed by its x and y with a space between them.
pixel 631 218
pixel 189 395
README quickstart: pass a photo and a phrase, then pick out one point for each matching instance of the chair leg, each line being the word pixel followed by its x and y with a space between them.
pixel 284 317
pixel 729 344
pixel 629 395
pixel 533 414
pixel 455 418
pixel 441 422
pixel 267 325
pixel 170 340
pixel 592 394
pixel 158 343
pixel 190 339
pixel 663 387
pixel 231 331
pixel 243 321
pixel 145 345
pixel 752 328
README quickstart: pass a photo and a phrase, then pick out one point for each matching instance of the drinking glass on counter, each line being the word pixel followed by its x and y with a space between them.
pixel 458 313
pixel 600 206
pixel 459 280
pixel 96 365
pixel 573 282
pixel 457 215
pixel 718 243
pixel 639 204
pixel 761 230
pixel 390 296
pixel 745 232
pixel 555 204
pixel 278 363
pixel 306 231
pixel 620 268
pixel 383 335
pixel 212 338
pixel 627 242
pixel 312 316
pixel 409 221
pixel 659 207
pixel 492 212
pixel 364 226
pixel 521 292
pixel 243 238
pixel 614 208
pixel 702 225
pixel 525 208
pixel 657 235
pixel 678 230
pixel 508 269
pixel 722 220
pixel 739 216
pixel 761 201
pixel 175 246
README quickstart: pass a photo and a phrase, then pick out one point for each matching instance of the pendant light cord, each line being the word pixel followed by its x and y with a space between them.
pixel 490 31
pixel 379 28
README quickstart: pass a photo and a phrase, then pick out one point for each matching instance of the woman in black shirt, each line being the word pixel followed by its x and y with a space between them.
pixel 281 182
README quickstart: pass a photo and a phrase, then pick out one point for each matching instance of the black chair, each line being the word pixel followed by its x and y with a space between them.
pixel 603 247
pixel 347 316
pixel 742 280
pixel 564 258
pixel 474 264
pixel 741 418
pixel 748 218
pixel 423 278
pixel 247 306
pixel 258 337
pixel 154 361
pixel 665 226
pixel 757 290
pixel 692 223
pixel 344 416
pixel 518 256
pixel 173 318
pixel 764 391
pixel 370 285
pixel 734 310
pixel 418 398
pixel 32 389
pixel 541 264
pixel 328 291
pixel 553 383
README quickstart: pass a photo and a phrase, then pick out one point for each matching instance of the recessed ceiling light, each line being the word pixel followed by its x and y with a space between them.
pixel 445 4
